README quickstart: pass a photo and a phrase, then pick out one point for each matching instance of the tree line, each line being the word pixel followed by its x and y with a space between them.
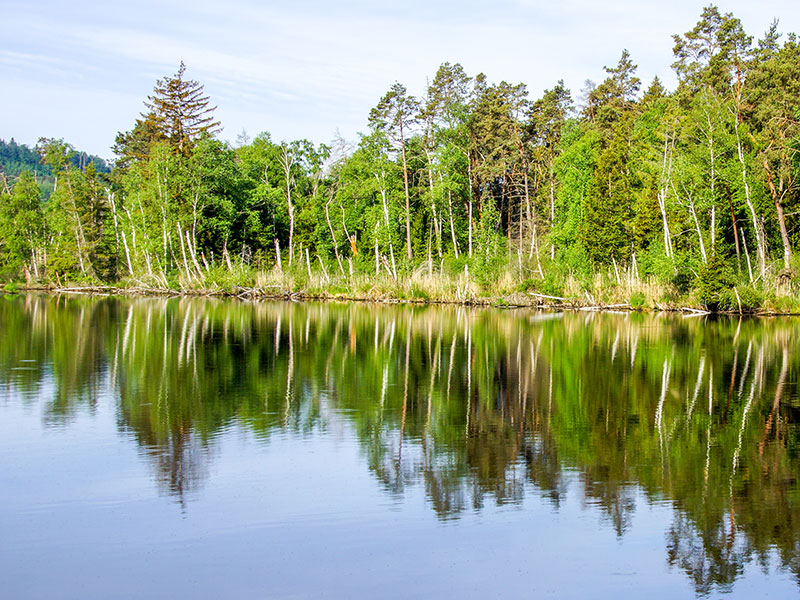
pixel 693 188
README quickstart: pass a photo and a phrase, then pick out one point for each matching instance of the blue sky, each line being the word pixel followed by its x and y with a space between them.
pixel 303 69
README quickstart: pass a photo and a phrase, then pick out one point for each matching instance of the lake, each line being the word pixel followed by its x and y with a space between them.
pixel 196 448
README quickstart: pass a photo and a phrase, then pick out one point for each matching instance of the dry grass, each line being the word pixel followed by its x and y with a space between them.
pixel 513 285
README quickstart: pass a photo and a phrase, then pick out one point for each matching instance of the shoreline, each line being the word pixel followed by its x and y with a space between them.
pixel 514 301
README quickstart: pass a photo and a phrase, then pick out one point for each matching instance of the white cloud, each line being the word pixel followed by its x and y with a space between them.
pixel 306 68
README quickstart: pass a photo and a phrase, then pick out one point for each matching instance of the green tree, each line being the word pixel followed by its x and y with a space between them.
pixel 22 227
pixel 547 120
pixel 605 231
pixel 713 53
pixel 448 111
pixel 394 115
pixel 774 99
pixel 180 111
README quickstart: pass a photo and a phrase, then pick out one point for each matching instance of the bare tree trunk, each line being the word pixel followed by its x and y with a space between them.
pixel 193 254
pixel 127 253
pixel 761 249
pixel 226 255
pixel 778 199
pixel 712 157
pixel 758 228
pixel 183 252
pixel 113 205
pixel 278 255
pixel 405 185
pixel 552 213
pixel 324 270
pixel 469 185
pixel 693 212
pixel 377 259
pixel 747 256
pixel 80 239
pixel 666 169
pixel 452 224
pixel 735 233
pixel 386 220
pixel 333 238
pixel 528 208
pixel 436 227
pixel 287 161
pixel 662 205
pixel 33 260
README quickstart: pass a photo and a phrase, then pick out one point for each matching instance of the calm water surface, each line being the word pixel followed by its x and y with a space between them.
pixel 216 449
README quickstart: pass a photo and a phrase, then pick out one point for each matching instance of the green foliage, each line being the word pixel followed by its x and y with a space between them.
pixel 744 298
pixel 638 300
pixel 605 230
pixel 16 158
pixel 714 283
pixel 418 293
pixel 551 285
pixel 180 112
pixel 573 168
pixel 22 227
pixel 476 174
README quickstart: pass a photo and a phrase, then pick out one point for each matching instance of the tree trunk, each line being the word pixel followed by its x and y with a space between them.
pixel 699 232
pixel 452 224
pixel 386 220
pixel 777 198
pixel 287 160
pixel 552 213
pixel 471 195
pixel 333 237
pixel 127 254
pixel 758 229
pixel 436 228
pixel 405 185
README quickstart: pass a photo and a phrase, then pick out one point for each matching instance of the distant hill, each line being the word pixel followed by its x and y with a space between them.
pixel 16 158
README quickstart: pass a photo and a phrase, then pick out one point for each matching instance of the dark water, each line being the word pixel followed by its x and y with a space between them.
pixel 217 449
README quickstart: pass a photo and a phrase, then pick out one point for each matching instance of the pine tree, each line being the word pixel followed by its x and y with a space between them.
pixel 607 207
pixel 181 111
pixel 395 115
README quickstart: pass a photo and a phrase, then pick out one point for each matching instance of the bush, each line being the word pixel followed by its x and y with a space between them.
pixel 654 261
pixel 417 293
pixel 551 285
pixel 750 298
pixel 714 283
pixel 575 261
pixel 638 300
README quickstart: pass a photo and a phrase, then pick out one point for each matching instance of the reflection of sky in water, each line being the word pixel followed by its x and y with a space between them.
pixel 300 516
pixel 91 509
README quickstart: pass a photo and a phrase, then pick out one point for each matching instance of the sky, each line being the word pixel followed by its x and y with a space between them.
pixel 313 69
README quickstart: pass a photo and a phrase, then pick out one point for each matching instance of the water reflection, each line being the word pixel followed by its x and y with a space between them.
pixel 476 406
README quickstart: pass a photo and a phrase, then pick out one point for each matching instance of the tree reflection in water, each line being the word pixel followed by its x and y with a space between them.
pixel 474 405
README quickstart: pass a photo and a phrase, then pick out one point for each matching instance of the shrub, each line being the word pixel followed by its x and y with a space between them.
pixel 714 283
pixel 750 298
pixel 638 300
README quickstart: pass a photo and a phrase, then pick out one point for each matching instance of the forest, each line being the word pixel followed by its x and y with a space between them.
pixel 623 192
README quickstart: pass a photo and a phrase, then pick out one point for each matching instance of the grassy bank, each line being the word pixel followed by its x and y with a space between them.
pixel 429 283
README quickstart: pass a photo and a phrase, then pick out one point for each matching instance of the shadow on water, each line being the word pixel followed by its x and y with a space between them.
pixel 475 406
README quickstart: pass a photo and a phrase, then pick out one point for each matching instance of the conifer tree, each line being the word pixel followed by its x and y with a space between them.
pixel 395 115
pixel 181 111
